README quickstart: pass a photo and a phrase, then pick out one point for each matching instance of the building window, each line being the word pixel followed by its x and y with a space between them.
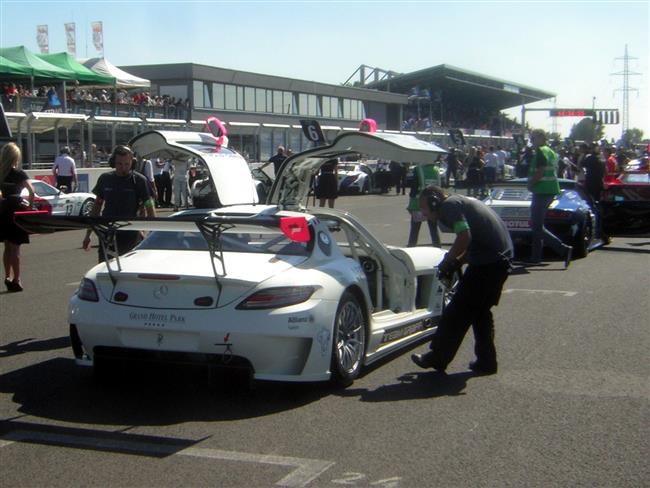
pixel 289 105
pixel 313 108
pixel 231 97
pixel 337 111
pixel 269 101
pixel 179 92
pixel 302 104
pixel 347 108
pixel 240 98
pixel 278 105
pixel 198 93
pixel 207 95
pixel 218 96
pixel 260 100
pixel 249 99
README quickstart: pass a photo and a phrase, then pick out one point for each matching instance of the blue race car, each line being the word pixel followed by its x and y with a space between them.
pixel 572 216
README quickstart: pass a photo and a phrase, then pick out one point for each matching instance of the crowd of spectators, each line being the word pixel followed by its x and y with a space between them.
pixel 79 98
pixel 458 117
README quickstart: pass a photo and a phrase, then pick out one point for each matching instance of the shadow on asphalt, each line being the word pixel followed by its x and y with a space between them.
pixel 56 389
pixel 30 345
pixel 626 249
pixel 411 386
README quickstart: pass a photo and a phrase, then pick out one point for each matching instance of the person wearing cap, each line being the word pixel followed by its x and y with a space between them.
pixel 64 170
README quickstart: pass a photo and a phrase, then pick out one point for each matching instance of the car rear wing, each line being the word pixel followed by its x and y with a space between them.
pixel 211 227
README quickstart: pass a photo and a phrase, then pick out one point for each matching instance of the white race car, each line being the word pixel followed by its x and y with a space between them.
pixel 355 177
pixel 55 202
pixel 284 292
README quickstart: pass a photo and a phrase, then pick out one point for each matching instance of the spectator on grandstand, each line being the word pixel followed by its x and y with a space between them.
pixel 502 160
pixel 474 165
pixel 491 166
pixel 453 165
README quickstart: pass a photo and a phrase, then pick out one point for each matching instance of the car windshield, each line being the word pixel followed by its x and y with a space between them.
pixel 511 193
pixel 347 167
pixel 43 189
pixel 259 241
pixel 636 178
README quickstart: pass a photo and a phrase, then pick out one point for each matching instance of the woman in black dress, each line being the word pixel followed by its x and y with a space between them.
pixel 12 183
pixel 328 183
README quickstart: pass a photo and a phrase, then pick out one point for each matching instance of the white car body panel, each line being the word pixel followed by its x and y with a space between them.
pixel 61 203
pixel 229 172
pixel 292 184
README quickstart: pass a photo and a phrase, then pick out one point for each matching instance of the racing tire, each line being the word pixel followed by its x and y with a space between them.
pixel 583 239
pixel 349 341
pixel 87 207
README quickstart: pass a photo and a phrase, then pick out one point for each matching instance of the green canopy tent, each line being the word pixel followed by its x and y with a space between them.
pixel 11 69
pixel 82 74
pixel 41 68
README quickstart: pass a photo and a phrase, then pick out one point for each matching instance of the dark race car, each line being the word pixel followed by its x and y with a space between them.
pixel 625 202
pixel 572 216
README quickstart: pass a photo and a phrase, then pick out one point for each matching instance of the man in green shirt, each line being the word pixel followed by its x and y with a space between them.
pixel 542 182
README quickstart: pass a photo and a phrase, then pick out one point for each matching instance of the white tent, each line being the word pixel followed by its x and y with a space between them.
pixel 123 79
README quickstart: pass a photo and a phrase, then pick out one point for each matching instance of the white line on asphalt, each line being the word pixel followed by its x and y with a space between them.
pixel 543 292
pixel 305 470
pixel 74 283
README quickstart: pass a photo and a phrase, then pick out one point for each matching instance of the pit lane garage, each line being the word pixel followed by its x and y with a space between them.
pixel 284 292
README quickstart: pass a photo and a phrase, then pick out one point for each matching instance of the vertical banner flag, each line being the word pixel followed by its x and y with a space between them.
pixel 98 37
pixel 42 39
pixel 71 37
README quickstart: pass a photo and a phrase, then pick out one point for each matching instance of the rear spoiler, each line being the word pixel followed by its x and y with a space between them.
pixel 210 226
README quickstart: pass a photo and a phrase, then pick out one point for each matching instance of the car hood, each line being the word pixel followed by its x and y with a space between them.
pixel 292 185
pixel 229 172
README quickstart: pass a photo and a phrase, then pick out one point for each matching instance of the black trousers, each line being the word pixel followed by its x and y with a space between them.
pixel 64 181
pixel 164 187
pixel 478 291
pixel 126 241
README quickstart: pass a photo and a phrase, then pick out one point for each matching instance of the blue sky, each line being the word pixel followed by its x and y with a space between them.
pixel 568 48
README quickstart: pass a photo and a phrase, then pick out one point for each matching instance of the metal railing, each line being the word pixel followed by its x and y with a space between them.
pixel 90 108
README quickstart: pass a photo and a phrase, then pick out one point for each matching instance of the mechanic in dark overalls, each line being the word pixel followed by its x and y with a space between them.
pixel 483 242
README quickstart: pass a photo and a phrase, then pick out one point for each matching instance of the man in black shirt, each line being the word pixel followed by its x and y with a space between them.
pixel 121 193
pixel 594 171
pixel 277 161
pixel 483 242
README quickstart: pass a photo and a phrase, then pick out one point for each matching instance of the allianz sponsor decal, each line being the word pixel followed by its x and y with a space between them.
pixel 406 330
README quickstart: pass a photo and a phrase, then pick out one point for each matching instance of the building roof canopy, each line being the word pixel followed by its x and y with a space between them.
pixel 463 87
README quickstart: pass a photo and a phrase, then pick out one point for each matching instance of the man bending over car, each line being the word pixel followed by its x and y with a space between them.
pixel 483 242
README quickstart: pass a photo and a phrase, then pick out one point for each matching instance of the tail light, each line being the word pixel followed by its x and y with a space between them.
pixel 281 296
pixel 295 228
pixel 42 204
pixel 87 291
